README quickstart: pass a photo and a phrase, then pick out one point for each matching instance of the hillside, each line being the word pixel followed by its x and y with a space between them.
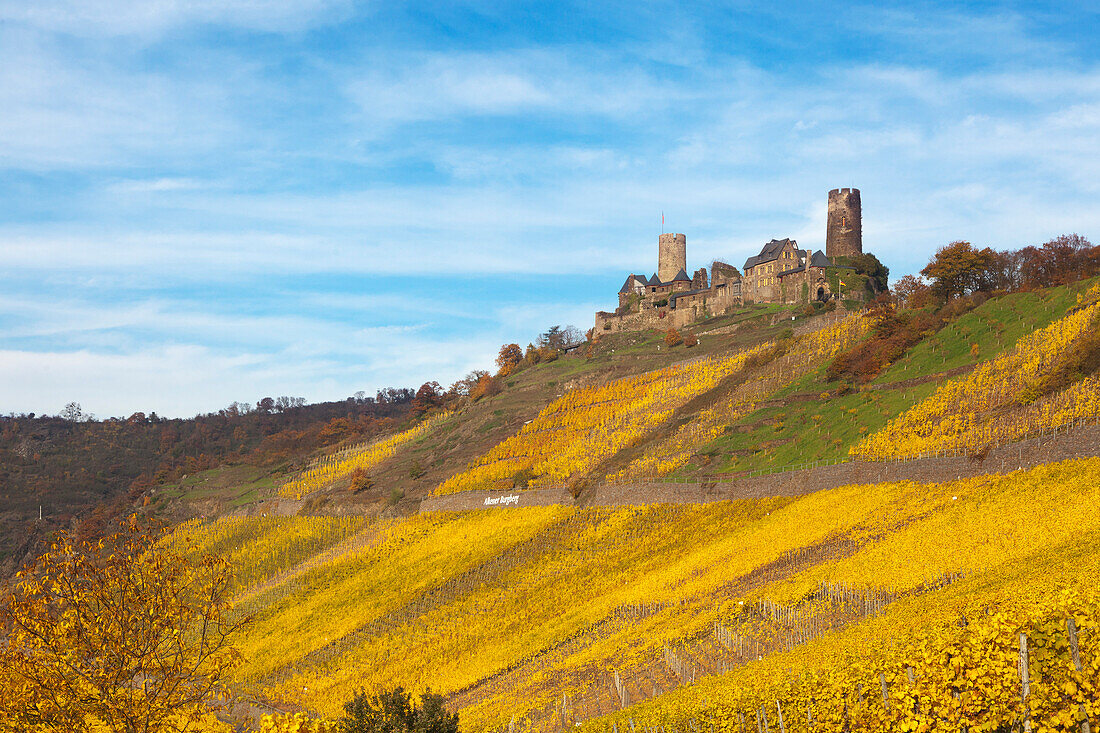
pixel 507 611
pixel 755 395
pixel 87 472
pixel 557 615
pixel 724 526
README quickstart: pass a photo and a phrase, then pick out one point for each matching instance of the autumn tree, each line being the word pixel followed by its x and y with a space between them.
pixel 394 395
pixel 360 481
pixel 393 711
pixel 74 413
pixel 911 292
pixel 465 386
pixel 1062 260
pixel 957 269
pixel 120 634
pixel 509 358
pixel 673 337
pixel 558 339
pixel 428 396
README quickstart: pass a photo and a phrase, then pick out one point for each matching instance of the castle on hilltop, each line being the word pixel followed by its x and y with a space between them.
pixel 780 273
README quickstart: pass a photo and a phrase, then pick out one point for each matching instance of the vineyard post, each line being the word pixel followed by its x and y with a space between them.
pixel 759 725
pixel 1025 682
pixel 1071 630
pixel 913 685
pixel 885 691
pixel 764 715
pixel 780 711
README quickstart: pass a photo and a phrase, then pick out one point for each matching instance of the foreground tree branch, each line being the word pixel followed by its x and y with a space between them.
pixel 121 633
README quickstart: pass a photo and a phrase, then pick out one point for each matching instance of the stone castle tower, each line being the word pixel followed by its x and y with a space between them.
pixel 672 255
pixel 844 231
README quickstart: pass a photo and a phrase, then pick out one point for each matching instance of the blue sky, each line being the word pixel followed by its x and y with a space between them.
pixel 207 201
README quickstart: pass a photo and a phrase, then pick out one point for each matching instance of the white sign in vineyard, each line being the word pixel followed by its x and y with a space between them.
pixel 502 500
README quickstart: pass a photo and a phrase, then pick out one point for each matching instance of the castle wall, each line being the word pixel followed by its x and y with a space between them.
pixel 844 229
pixel 671 256
pixel 689 309
pixel 699 280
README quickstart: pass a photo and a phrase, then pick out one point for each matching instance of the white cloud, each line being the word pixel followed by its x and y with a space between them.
pixel 440 86
pixel 150 17
pixel 191 182
pixel 67 110
pixel 183 379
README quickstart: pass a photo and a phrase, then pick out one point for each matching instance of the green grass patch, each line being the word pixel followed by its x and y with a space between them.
pixel 984 332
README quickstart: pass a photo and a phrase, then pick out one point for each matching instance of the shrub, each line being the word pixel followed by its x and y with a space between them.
pixel 894 334
pixel 522 478
pixel 393 711
pixel 360 480
pixel 509 358
pixel 416 470
pixel 690 339
pixel 486 386
pixel 673 337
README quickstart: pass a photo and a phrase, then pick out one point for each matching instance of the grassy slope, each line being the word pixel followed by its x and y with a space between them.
pixel 826 426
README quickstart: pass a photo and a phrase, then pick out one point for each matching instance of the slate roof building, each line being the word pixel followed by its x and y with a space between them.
pixel 781 273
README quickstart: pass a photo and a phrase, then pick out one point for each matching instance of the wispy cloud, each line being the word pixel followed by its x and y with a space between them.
pixel 334 197
pixel 147 17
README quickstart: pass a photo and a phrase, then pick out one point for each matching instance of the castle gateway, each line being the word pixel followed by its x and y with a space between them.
pixel 780 273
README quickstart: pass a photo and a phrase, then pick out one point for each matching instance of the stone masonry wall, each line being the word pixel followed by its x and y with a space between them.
pixel 844 229
pixel 1077 443
pixel 671 256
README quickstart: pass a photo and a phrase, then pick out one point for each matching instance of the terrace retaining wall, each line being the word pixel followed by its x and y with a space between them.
pixel 1079 442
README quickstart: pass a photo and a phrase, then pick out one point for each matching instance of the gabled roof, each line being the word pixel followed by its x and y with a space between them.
pixel 654 280
pixel 799 263
pixel 820 260
pixel 681 275
pixel 769 252
pixel 628 285
pixel 683 294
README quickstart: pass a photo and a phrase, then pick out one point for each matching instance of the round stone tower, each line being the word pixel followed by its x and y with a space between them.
pixel 844 230
pixel 671 256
